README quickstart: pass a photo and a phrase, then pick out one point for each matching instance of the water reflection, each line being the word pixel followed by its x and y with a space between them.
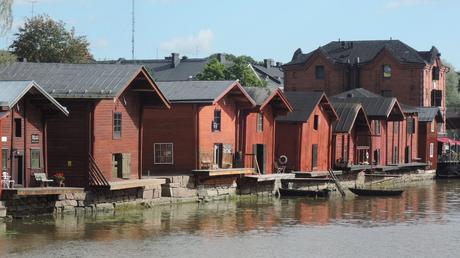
pixel 435 203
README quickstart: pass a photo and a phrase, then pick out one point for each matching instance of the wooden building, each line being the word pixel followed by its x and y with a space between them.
pixel 304 136
pixel 26 110
pixel 201 131
pixel 259 126
pixel 393 138
pixel 351 136
pixel 428 119
pixel 100 141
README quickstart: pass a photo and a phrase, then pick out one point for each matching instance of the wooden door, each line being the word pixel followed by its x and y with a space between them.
pixel 18 169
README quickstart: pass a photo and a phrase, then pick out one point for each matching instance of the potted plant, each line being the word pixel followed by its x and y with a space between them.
pixel 59 177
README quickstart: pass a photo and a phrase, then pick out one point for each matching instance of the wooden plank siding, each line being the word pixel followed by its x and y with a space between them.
pixel 426 137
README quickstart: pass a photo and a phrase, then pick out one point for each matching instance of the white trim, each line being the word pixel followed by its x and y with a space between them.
pixel 431 150
pixel 154 154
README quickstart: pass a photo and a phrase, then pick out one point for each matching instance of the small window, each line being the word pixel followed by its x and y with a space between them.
pixel 410 125
pixel 377 127
pixel 396 127
pixel 163 153
pixel 432 126
pixel 320 72
pixel 314 155
pixel 435 73
pixel 217 120
pixel 18 127
pixel 117 118
pixel 5 160
pixel 377 156
pixel 431 150
pixel 386 71
pixel 316 122
pixel 436 98
pixel 35 159
pixel 396 155
pixel 387 93
pixel 260 122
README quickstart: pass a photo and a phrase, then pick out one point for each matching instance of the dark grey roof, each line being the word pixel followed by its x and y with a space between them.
pixel 374 106
pixel 358 92
pixel 428 114
pixel 303 104
pixel 74 80
pixel 12 91
pixel 408 108
pixel 274 74
pixel 351 52
pixel 347 113
pixel 194 91
pixel 259 94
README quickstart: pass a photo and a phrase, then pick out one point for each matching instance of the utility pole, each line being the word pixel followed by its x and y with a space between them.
pixel 33 2
pixel 132 31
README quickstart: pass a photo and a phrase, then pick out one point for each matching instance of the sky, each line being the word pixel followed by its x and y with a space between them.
pixel 259 28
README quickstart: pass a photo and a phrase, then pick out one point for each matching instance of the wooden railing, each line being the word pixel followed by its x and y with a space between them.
pixel 96 178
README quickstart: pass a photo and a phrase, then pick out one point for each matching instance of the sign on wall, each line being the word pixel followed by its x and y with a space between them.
pixel 35 138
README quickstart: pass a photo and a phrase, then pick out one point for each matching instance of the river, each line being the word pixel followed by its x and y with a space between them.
pixel 424 222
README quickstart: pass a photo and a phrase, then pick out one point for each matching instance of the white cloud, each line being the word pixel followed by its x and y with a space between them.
pixel 194 44
pixel 394 4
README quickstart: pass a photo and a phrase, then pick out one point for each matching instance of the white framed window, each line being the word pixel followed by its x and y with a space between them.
pixel 432 126
pixel 260 122
pixel 163 153
pixel 431 150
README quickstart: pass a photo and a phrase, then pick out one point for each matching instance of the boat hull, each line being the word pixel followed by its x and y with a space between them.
pixel 304 193
pixel 375 192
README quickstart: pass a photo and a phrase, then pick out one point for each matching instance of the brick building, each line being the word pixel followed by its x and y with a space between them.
pixel 386 67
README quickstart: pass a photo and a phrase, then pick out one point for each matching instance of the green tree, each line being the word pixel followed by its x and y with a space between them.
pixel 41 39
pixel 452 90
pixel 214 70
pixel 238 69
pixel 6 57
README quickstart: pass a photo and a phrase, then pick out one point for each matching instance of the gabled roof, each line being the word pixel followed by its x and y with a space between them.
pixel 13 91
pixel 428 114
pixel 93 81
pixel 304 103
pixel 275 74
pixel 363 51
pixel 264 96
pixel 348 114
pixel 208 92
pixel 375 105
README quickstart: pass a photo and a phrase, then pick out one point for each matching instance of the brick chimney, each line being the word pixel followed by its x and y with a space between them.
pixel 175 59
pixel 269 63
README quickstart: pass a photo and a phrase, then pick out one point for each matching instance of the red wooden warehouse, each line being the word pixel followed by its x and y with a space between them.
pixel 260 126
pixel 428 120
pixel 200 132
pixel 304 136
pixel 26 110
pixel 351 140
pixel 100 141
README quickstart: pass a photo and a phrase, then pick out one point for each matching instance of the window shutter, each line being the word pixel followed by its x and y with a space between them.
pixel 314 152
pixel 126 163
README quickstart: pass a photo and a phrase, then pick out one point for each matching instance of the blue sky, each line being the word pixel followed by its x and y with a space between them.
pixel 262 29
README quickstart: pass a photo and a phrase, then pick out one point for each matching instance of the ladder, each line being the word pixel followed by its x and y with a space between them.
pixel 336 182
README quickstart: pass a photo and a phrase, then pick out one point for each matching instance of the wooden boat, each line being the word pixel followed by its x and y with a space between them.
pixel 304 193
pixel 375 192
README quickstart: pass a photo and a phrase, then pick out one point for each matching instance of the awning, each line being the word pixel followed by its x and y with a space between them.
pixel 448 141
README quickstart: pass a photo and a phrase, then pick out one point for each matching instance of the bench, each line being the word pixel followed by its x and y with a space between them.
pixel 42 179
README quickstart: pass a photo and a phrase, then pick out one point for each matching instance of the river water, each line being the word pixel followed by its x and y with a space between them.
pixel 424 222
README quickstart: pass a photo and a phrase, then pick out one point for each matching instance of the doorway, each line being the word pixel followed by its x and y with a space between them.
pixel 18 169
pixel 259 156
pixel 218 154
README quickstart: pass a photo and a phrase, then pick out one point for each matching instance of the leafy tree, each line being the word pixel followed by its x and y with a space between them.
pixel 239 69
pixel 6 57
pixel 214 70
pixel 41 39
pixel 6 16
pixel 452 83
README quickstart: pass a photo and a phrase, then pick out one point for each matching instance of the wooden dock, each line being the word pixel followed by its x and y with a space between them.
pixel 36 191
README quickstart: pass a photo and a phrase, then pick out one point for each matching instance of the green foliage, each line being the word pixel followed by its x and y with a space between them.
pixel 41 39
pixel 452 83
pixel 6 57
pixel 239 69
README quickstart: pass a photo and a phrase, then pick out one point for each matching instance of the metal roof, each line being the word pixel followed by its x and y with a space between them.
pixel 303 104
pixel 347 113
pixel 428 114
pixel 74 80
pixel 12 91
pixel 259 94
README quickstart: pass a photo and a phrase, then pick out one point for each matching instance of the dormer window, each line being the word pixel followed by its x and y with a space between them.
pixel 320 72
pixel 386 71
pixel 435 73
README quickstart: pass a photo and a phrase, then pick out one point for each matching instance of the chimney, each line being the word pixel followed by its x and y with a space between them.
pixel 279 64
pixel 175 59
pixel 221 58
pixel 268 63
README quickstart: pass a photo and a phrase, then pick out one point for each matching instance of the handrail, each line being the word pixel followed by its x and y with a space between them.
pixel 96 177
